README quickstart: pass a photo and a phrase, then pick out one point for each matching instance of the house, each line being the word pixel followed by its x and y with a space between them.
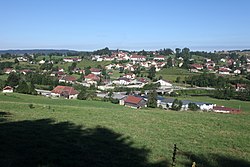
pixel 210 63
pixel 8 70
pixel 110 66
pixel 67 79
pixel 133 102
pixel 41 62
pixel 237 71
pixel 130 76
pixel 224 71
pixel 43 92
pixel 248 68
pixel 96 71
pixel 23 59
pixel 223 60
pixel 99 59
pixel 72 60
pixel 92 79
pixel 109 58
pixel 60 73
pixel 202 105
pixel 240 87
pixel 165 103
pixel 61 69
pixel 137 58
pixel 25 71
pixel 64 91
pixel 164 84
pixel 210 68
pixel 122 81
pixel 196 67
pixel 8 89
pixel 222 109
pixel 159 58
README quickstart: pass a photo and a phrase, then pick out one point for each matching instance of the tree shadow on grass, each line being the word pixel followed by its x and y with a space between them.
pixel 213 160
pixel 4 115
pixel 47 143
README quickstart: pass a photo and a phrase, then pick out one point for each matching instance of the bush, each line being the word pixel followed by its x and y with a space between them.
pixel 31 106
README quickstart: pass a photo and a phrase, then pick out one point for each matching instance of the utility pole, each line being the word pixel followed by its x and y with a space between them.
pixel 174 156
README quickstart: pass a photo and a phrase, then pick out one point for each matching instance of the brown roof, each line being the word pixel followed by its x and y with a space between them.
pixel 221 108
pixel 7 88
pixel 133 99
pixel 61 89
pixel 138 57
pixel 92 77
pixel 69 78
pixel 95 70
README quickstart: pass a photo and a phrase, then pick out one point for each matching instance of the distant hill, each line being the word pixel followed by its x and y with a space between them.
pixel 32 51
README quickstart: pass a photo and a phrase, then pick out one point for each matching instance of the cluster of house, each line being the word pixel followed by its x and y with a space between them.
pixel 133 101
pixel 223 70
pixel 138 101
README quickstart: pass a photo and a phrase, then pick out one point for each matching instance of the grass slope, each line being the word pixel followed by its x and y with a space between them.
pixel 171 74
pixel 58 132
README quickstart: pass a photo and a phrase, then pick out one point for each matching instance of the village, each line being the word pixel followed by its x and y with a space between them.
pixel 135 77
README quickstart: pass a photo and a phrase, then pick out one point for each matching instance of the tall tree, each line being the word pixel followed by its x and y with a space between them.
pixel 23 87
pixel 169 62
pixel 13 79
pixel 177 52
pixel 176 105
pixel 152 99
pixel 151 72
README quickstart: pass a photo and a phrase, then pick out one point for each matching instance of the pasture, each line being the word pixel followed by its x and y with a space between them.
pixel 59 132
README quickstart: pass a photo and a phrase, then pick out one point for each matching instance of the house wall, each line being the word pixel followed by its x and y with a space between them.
pixel 73 96
pixel 8 91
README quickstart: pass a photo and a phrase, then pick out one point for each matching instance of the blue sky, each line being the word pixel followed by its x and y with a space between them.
pixel 125 24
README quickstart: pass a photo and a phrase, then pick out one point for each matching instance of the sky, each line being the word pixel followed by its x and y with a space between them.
pixel 125 24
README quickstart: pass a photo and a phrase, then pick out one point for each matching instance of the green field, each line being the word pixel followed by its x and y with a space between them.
pixel 58 132
pixel 171 74
pixel 84 63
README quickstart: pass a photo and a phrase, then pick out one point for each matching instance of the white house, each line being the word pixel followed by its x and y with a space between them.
pixel 224 71
pixel 130 76
pixel 122 81
pixel 110 66
pixel 159 58
pixel 164 84
pixel 64 91
pixel 96 71
pixel 8 89
pixel 138 58
pixel 237 71
pixel 41 62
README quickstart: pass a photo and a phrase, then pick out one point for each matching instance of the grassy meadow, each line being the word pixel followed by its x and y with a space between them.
pixel 171 74
pixel 58 132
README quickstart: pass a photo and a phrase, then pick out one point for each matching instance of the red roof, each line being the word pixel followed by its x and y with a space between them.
pixel 61 89
pixel 196 66
pixel 69 78
pixel 7 88
pixel 160 57
pixel 221 108
pixel 92 77
pixel 138 57
pixel 59 73
pixel 224 70
pixel 133 99
pixel 95 70
pixel 7 69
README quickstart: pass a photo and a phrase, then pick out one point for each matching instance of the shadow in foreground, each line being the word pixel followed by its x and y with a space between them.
pixel 46 143
pixel 4 115
pixel 214 160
